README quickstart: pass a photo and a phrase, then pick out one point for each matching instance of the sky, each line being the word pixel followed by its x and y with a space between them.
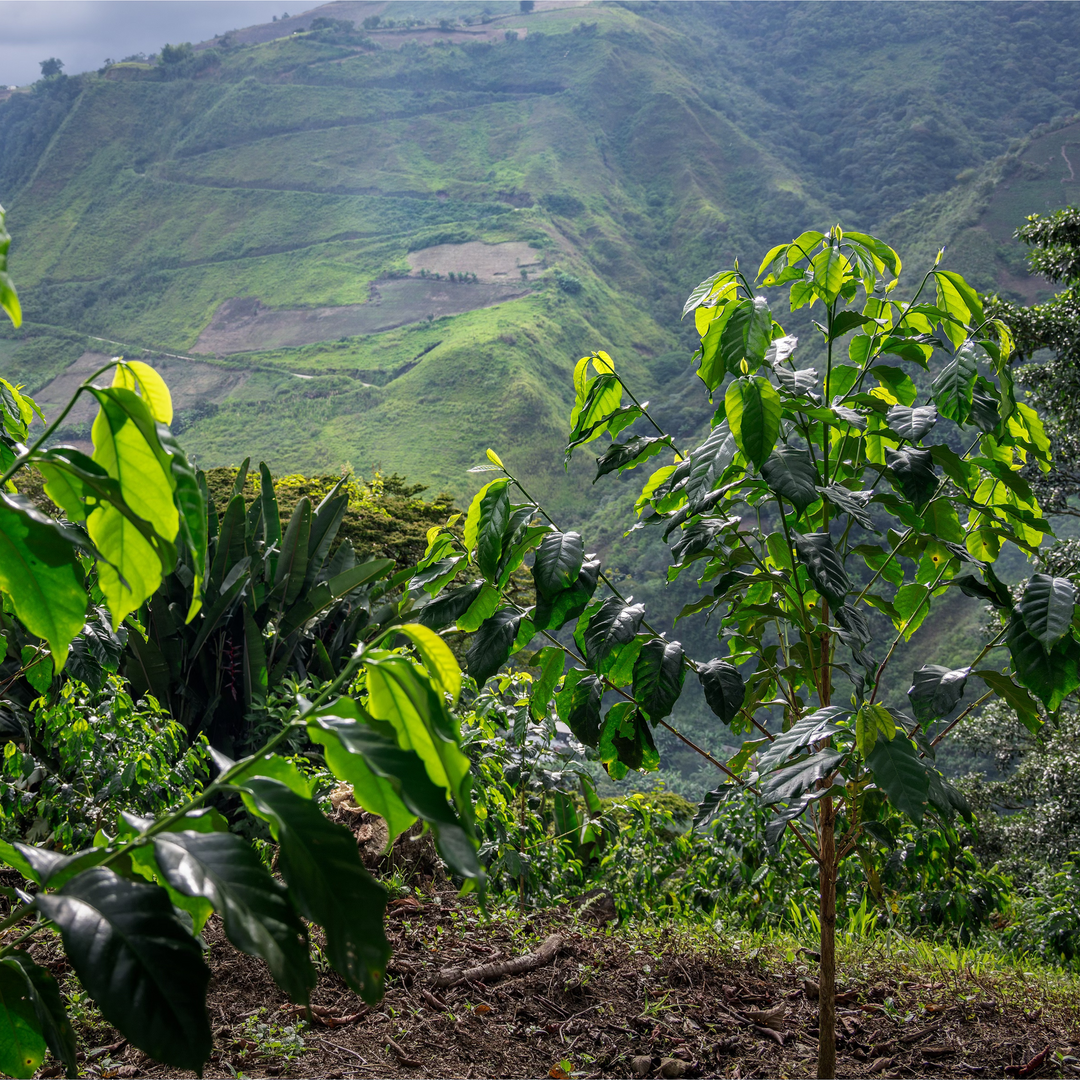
pixel 83 33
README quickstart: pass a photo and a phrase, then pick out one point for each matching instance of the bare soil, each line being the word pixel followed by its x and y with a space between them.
pixel 489 262
pixel 613 1003
pixel 244 325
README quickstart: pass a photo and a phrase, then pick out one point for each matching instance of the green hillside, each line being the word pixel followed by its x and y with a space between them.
pixel 635 147
pixel 276 217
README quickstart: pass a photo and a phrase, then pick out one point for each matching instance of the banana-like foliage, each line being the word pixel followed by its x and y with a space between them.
pixel 275 602
pixel 129 909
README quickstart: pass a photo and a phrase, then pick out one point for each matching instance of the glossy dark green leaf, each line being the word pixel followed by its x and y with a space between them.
pixel 555 612
pixel 946 799
pixel 911 424
pixel 706 465
pixel 318 599
pixel 850 502
pixel 22 1044
pixel 326 520
pixel 1016 696
pixel 613 624
pixel 794 780
pixel 935 691
pixel 898 771
pixel 798 383
pixel 626 741
pixel 846 321
pixel 791 474
pixel 1049 676
pixel 753 414
pixel 53 868
pixel 580 711
pixel 955 384
pixel 1047 608
pixel 724 688
pixel 809 729
pixel 271 517
pixel 629 454
pixel 818 554
pixel 495 513
pixel 44 994
pixel 448 608
pixel 139 963
pixel 558 563
pixel 659 672
pixel 492 644
pixel 913 472
pixel 255 909
pixel 328 883
pixel 993 590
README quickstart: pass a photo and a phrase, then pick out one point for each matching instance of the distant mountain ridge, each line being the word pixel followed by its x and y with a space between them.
pixel 631 148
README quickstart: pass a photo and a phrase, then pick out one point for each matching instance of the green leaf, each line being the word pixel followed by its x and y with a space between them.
pixel 451 606
pixel 753 413
pixel 492 644
pixel 138 962
pixel 192 507
pixel 817 553
pixel 40 572
pixel 912 605
pixel 898 771
pixel 293 561
pixel 935 691
pixel 328 884
pixel 911 424
pixel 579 705
pixel 850 502
pixel 870 722
pixel 724 688
pixel 1049 676
pixel 804 775
pixel 706 465
pixel 22 1045
pixel 630 454
pixel 809 729
pixel 1014 695
pixel 383 774
pixel 828 266
pixel 437 658
pixel 551 662
pixel 255 909
pixel 955 385
pixel 746 335
pixel 9 299
pixel 327 593
pixel 44 994
pixel 552 614
pixel 558 563
pixel 626 741
pixel 846 321
pixel 1047 608
pixel 913 474
pixel 613 624
pixel 791 474
pixel 897 382
pixel 271 517
pixel 492 520
pixel 702 291
pixel 659 672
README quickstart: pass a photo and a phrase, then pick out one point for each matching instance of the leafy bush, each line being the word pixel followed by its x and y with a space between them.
pixel 567 282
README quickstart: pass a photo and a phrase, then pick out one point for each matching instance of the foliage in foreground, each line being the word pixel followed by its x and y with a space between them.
pixel 824 512
pixel 129 909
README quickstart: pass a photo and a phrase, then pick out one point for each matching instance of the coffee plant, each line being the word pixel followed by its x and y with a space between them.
pixel 825 513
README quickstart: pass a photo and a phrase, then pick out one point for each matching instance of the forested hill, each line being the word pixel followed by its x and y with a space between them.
pixel 387 245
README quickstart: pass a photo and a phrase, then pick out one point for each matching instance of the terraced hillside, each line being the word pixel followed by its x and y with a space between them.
pixel 287 206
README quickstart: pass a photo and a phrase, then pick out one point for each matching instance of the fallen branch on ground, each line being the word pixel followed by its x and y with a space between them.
pixel 486 972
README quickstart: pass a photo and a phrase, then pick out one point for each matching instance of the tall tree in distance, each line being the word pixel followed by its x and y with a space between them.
pixel 51 67
pixel 1054 242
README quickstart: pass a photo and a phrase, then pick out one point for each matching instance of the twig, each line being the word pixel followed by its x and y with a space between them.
pixel 346 1050
pixel 544 954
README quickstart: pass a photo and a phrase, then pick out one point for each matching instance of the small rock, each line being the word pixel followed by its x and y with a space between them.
pixel 881 1064
pixel 641 1065
pixel 673 1068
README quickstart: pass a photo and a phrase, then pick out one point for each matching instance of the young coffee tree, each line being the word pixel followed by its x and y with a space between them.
pixel 129 909
pixel 825 514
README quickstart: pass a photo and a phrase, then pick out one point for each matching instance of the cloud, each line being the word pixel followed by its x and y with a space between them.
pixel 83 33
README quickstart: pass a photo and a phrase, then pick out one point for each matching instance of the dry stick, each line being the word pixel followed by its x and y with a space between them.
pixel 543 954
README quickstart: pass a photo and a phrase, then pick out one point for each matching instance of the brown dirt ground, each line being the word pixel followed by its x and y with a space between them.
pixel 609 997
pixel 489 262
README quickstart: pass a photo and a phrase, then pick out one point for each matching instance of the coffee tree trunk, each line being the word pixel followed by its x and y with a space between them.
pixel 826 1069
